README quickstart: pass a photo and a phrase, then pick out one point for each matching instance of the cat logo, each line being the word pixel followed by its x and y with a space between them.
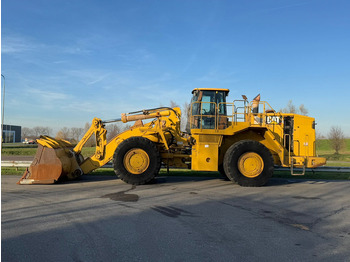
pixel 273 120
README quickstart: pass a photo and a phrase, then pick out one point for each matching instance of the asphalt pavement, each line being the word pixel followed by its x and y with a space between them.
pixel 175 219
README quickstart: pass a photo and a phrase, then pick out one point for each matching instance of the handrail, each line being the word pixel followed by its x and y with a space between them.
pixel 234 115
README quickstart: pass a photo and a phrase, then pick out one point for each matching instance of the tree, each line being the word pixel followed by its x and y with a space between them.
pixel 91 141
pixel 303 111
pixel 26 132
pixel 76 132
pixel 41 130
pixel 60 135
pixel 173 104
pixel 126 127
pixel 64 133
pixel 290 108
pixel 185 117
pixel 336 138
pixel 112 131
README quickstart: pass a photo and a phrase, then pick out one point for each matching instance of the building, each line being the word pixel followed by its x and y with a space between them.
pixel 11 134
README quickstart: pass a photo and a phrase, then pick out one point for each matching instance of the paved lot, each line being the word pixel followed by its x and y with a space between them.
pixel 175 219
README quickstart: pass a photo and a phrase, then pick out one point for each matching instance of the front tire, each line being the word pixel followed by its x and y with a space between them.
pixel 136 160
pixel 249 163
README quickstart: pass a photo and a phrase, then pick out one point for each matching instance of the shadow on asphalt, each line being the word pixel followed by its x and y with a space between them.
pixel 175 179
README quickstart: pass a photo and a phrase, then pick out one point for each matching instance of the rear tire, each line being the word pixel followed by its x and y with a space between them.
pixel 222 172
pixel 249 163
pixel 136 160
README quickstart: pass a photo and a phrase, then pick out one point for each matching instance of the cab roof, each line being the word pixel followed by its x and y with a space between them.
pixel 211 89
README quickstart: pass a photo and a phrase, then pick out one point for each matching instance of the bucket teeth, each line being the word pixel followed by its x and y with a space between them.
pixel 50 142
pixel 53 161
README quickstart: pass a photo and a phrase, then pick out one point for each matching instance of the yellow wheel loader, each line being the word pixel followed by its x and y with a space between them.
pixel 243 140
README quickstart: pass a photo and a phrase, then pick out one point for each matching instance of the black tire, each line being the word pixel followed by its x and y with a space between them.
pixel 234 160
pixel 122 156
pixel 222 172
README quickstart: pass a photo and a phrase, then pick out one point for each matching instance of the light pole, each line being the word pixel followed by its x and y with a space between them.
pixel 3 110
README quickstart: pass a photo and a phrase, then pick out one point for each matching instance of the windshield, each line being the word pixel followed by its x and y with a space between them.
pixel 208 109
pixel 208 101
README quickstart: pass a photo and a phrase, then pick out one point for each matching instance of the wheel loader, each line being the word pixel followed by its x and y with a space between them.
pixel 242 140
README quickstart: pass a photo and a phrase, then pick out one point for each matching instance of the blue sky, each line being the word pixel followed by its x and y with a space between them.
pixel 66 62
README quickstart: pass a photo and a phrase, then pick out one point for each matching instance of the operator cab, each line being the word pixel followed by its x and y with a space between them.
pixel 208 108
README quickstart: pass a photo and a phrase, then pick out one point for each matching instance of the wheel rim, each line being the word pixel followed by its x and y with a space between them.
pixel 136 161
pixel 250 164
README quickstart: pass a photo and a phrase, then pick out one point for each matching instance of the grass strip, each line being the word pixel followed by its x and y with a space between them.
pixel 12 170
pixel 31 150
pixel 13 151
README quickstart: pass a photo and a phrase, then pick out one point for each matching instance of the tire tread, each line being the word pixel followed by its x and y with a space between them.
pixel 152 151
pixel 231 158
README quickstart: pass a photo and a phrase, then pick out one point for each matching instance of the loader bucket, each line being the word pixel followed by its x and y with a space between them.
pixel 54 161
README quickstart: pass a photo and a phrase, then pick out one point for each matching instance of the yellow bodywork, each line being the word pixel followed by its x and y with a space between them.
pixel 157 131
pixel 164 127
pixel 215 127
pixel 266 127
